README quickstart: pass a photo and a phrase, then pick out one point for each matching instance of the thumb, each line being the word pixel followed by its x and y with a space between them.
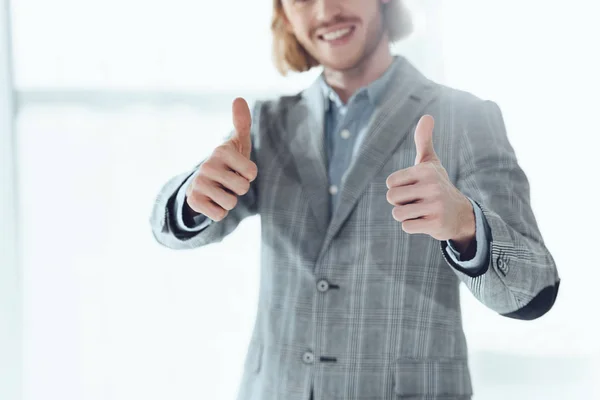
pixel 242 121
pixel 424 140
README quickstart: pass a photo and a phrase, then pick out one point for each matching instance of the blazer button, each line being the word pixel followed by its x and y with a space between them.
pixel 502 264
pixel 308 357
pixel 323 285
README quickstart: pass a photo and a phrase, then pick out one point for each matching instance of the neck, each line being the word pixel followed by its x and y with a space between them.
pixel 370 68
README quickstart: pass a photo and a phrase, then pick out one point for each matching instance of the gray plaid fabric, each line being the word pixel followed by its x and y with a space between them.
pixel 355 307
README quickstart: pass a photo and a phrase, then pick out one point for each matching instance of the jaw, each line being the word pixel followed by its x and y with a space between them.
pixel 339 49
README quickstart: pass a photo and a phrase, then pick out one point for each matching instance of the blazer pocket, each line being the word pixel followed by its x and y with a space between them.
pixel 254 357
pixel 439 378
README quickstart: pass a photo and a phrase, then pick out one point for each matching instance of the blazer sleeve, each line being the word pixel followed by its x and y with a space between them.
pixel 520 279
pixel 482 244
pixel 163 217
pixel 186 219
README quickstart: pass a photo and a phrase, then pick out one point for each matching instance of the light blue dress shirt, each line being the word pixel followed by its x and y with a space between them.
pixel 345 128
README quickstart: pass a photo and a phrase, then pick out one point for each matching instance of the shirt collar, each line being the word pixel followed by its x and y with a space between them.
pixel 375 90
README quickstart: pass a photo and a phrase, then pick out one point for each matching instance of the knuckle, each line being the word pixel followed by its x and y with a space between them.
pixel 229 203
pixel 195 203
pixel 432 169
pixel 220 151
pixel 199 185
pixel 190 189
pixel 220 215
pixel 253 170
pixel 233 185
pixel 239 190
pixel 212 170
pixel 204 169
pixel 389 196
pixel 245 187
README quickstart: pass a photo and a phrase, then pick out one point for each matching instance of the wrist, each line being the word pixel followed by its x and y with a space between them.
pixel 188 213
pixel 465 241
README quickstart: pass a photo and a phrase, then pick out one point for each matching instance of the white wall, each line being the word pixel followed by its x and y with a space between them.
pixel 10 276
pixel 534 59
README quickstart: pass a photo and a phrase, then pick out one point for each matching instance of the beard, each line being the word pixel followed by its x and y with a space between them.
pixel 375 31
pixel 375 34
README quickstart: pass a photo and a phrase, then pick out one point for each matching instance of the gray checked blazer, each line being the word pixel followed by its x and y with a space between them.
pixel 354 307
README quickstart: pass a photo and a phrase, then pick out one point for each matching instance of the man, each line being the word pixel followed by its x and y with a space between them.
pixel 367 229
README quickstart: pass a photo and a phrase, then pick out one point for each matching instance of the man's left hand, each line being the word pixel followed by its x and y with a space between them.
pixel 424 198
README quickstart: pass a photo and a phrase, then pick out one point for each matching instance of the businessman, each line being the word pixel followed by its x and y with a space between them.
pixel 379 191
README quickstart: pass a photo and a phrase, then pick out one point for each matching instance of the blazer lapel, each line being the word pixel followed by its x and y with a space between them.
pixel 399 109
pixel 305 125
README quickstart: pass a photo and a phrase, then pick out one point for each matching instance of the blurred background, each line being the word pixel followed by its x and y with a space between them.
pixel 102 101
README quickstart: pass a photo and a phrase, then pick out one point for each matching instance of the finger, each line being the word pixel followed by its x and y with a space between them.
pixel 420 225
pixel 216 193
pixel 242 121
pixel 398 196
pixel 203 205
pixel 424 140
pixel 407 176
pixel 228 179
pixel 237 162
pixel 410 211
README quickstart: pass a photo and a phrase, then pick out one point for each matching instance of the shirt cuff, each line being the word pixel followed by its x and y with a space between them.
pixel 482 239
pixel 201 221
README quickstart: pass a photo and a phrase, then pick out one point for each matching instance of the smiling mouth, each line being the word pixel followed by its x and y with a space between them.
pixel 336 35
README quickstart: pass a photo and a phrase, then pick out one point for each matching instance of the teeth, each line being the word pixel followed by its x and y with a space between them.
pixel 336 34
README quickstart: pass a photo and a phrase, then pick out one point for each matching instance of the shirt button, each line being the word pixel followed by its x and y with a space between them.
pixel 345 134
pixel 333 189
pixel 308 357
pixel 323 285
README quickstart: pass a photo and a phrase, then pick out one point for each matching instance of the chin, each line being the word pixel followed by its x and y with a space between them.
pixel 339 65
pixel 339 62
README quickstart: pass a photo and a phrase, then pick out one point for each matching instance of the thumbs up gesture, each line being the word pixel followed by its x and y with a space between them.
pixel 424 199
pixel 242 122
pixel 228 172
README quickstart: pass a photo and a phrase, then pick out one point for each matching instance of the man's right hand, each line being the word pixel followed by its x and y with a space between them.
pixel 227 173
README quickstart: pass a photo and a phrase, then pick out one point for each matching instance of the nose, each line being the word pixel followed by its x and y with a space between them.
pixel 327 10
